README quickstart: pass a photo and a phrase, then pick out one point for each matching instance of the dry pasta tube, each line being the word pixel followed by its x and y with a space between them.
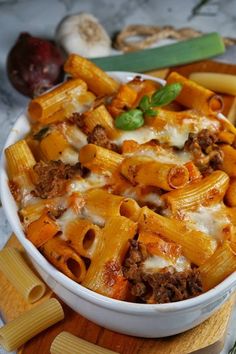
pixel 230 196
pixel 196 245
pixel 99 159
pixel 105 205
pixel 42 230
pixel 50 103
pixel 219 266
pixel 207 191
pixel 16 270
pixel 162 175
pixel 64 258
pixel 104 274
pixel 82 235
pixel 217 82
pixel 229 160
pixel 67 343
pixel 100 116
pixel 19 158
pixel 195 96
pixel 30 323
pixel 53 145
pixel 97 80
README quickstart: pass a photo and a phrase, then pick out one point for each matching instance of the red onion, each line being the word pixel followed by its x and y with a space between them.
pixel 34 65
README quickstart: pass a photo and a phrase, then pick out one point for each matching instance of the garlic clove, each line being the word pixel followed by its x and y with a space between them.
pixel 83 34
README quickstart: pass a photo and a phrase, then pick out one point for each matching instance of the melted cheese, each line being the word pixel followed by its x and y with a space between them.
pixel 69 156
pixel 68 216
pixel 75 136
pixel 141 135
pixel 164 156
pixel 155 263
pixel 210 220
pixel 84 184
pixel 171 134
pixel 152 198
pixel 93 217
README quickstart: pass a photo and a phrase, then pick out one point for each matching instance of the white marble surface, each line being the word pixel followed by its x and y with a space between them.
pixel 40 17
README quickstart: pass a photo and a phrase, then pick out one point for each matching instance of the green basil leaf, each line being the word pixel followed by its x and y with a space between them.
pixel 166 94
pixel 144 104
pixel 150 112
pixel 130 120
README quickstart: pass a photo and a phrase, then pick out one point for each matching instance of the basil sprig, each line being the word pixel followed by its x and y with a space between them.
pixel 130 120
pixel 134 118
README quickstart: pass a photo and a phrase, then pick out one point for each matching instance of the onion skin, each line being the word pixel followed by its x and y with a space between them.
pixel 34 65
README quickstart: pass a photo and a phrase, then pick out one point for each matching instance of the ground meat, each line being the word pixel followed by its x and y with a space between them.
pixel 206 139
pixel 174 286
pixel 77 119
pixel 166 285
pixel 206 153
pixel 99 137
pixel 52 177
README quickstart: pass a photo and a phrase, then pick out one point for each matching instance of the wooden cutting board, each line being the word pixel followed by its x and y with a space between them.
pixel 207 338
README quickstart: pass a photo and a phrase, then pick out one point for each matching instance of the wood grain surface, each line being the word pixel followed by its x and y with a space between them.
pixel 206 338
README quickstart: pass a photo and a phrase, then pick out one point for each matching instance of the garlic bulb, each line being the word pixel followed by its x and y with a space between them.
pixel 83 34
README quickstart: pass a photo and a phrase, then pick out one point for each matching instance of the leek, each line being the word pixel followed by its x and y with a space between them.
pixel 179 53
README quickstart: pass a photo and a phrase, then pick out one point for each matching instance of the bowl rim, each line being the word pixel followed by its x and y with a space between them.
pixel 228 285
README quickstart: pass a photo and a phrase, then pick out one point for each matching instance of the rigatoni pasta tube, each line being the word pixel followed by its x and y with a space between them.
pixel 105 205
pixel 229 160
pixel 104 274
pixel 16 270
pixel 196 245
pixel 217 82
pixel 207 191
pixel 97 80
pixel 162 175
pixel 30 323
pixel 164 117
pixel 64 258
pixel 124 99
pixel 195 96
pixel 220 265
pixel 100 116
pixel 32 212
pixel 46 105
pixel 99 159
pixel 53 145
pixel 82 235
pixel 42 230
pixel 67 343
pixel 230 196
pixel 143 171
pixel 19 158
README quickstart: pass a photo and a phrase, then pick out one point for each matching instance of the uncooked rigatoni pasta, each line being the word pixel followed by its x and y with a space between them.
pixel 127 187
pixel 30 323
pixel 67 343
pixel 16 270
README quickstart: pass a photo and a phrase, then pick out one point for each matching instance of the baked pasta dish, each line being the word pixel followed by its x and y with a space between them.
pixel 129 188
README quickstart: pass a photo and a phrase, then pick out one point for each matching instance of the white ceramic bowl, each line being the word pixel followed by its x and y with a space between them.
pixel 142 320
